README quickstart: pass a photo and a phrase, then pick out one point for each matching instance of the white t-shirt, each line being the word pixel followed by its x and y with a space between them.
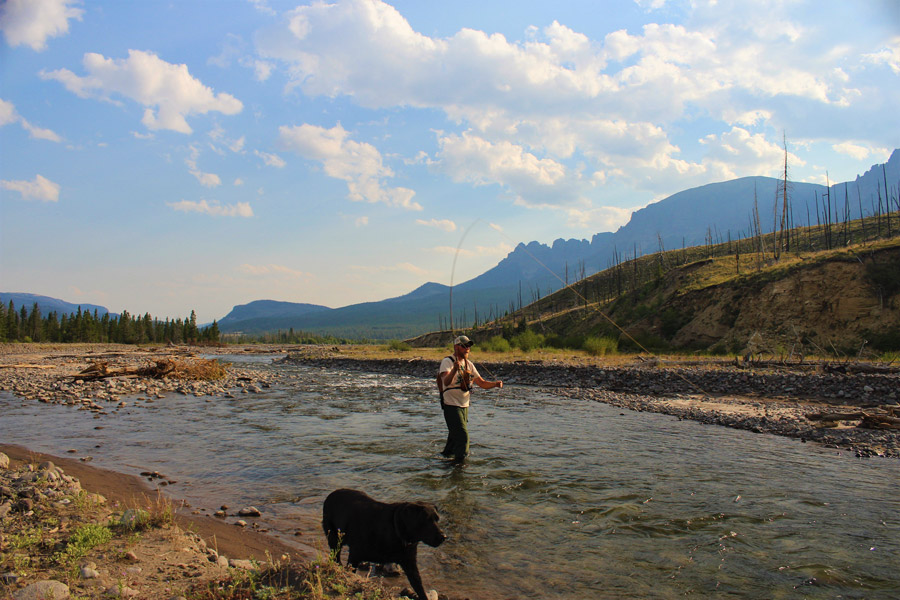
pixel 453 395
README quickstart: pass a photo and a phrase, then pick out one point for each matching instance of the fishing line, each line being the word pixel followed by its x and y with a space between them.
pixel 453 273
pixel 596 306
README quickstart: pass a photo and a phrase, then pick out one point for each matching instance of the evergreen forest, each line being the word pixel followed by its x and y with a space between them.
pixel 22 325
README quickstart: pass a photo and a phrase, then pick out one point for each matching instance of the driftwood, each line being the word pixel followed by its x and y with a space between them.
pixel 101 370
pixel 880 422
pixel 849 368
pixel 26 366
pixel 836 416
pixel 885 418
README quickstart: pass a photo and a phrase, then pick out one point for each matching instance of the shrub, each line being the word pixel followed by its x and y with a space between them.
pixel 600 346
pixel 398 346
pixel 574 342
pixel 498 343
pixel 891 357
pixel 528 340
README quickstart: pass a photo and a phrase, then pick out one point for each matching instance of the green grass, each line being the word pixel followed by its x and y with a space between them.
pixel 83 540
pixel 601 346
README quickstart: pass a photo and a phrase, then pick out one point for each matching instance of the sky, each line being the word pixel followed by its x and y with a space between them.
pixel 169 156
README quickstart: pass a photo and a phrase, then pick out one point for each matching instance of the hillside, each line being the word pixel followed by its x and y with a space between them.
pixel 47 304
pixel 843 301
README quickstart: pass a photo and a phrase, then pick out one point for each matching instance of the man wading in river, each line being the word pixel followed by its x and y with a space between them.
pixel 455 378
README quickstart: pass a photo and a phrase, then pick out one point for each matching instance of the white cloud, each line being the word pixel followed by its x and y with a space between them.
pixel 738 153
pixel 853 150
pixel 443 224
pixel 263 7
pixel 500 250
pixel 9 115
pixel 889 55
pixel 540 105
pixel 238 182
pixel 262 69
pixel 209 180
pixel 399 267
pixel 603 218
pixel 358 163
pixel 221 142
pixel 240 209
pixel 272 160
pixel 273 270
pixel 535 181
pixel 361 221
pixel 31 22
pixel 168 91
pixel 40 189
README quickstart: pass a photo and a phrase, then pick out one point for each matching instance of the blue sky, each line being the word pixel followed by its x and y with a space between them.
pixel 167 156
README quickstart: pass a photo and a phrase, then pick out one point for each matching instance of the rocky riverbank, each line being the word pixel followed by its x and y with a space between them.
pixel 59 540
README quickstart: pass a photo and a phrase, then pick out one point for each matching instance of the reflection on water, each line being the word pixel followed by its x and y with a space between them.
pixel 561 498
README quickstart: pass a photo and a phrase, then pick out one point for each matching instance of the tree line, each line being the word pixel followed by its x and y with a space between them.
pixel 23 325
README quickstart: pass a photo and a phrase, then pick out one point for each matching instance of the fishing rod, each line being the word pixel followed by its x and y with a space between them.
pixel 565 285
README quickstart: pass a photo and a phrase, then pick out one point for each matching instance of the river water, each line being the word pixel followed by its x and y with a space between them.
pixel 561 498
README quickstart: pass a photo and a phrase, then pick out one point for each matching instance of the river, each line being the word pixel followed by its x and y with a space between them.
pixel 561 498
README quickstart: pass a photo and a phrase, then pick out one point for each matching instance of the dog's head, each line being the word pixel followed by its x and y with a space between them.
pixel 418 522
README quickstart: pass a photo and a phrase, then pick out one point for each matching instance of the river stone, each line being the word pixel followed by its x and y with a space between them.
pixel 222 561
pixel 250 511
pixel 89 572
pixel 43 590
pixel 121 592
pixel 4 461
pixel 242 564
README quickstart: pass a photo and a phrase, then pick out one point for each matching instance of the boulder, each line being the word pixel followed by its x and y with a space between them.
pixel 43 590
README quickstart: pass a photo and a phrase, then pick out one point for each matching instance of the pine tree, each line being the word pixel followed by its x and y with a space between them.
pixel 12 327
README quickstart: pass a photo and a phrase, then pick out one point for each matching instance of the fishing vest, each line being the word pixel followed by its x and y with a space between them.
pixel 440 382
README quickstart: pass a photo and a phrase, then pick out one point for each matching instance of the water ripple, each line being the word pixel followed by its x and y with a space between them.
pixel 560 499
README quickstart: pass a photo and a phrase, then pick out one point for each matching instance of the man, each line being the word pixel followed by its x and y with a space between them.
pixel 456 376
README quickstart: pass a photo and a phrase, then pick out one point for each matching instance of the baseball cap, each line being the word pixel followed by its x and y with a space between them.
pixel 463 341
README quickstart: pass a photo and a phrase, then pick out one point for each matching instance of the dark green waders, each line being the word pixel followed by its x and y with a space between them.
pixel 457 419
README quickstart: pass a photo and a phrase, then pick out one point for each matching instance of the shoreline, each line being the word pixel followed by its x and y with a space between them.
pixel 853 407
pixel 836 407
pixel 124 489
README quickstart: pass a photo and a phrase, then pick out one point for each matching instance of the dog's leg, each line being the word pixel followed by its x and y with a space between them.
pixel 411 568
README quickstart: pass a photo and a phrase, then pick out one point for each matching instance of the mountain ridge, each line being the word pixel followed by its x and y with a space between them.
pixel 533 270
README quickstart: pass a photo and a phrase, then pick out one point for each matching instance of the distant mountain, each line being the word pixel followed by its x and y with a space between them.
pixel 47 304
pixel 266 315
pixel 720 210
pixel 688 218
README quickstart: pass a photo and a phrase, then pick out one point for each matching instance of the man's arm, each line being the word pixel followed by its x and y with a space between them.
pixel 488 384
pixel 448 375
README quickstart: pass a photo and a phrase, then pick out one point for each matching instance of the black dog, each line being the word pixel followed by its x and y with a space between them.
pixel 379 532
